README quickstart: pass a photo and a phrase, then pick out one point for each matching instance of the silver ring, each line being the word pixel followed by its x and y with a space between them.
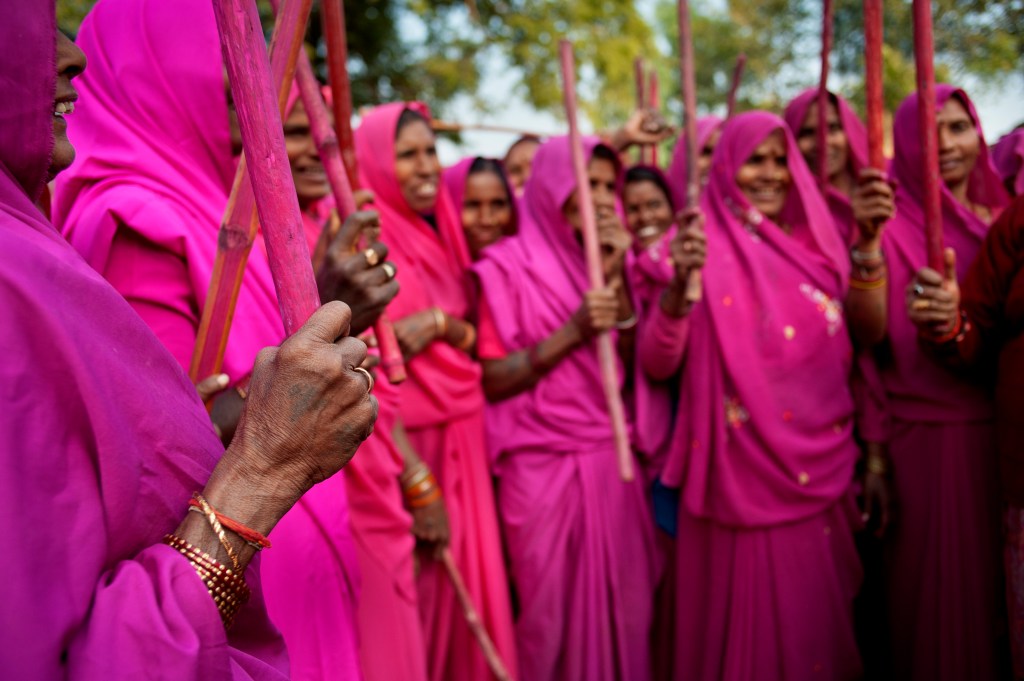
pixel 918 290
pixel 369 377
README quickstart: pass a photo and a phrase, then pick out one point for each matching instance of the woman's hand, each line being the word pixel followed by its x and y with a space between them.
pixel 430 526
pixel 688 247
pixel 614 241
pixel 418 330
pixel 877 496
pixel 873 203
pixel 597 313
pixel 226 407
pixel 363 280
pixel 933 299
pixel 645 126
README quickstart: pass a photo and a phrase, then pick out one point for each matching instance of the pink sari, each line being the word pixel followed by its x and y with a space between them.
pixel 763 451
pixel 103 440
pixel 580 540
pixel 943 550
pixel 1008 159
pixel 155 168
pixel 441 405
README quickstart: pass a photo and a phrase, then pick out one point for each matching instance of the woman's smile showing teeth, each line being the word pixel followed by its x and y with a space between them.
pixel 426 190
pixel 61 108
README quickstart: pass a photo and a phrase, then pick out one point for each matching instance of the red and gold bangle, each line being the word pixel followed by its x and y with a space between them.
pixel 227 588
pixel 421 487
pixel 468 338
pixel 961 326
pixel 866 284
pixel 251 536
pixel 426 499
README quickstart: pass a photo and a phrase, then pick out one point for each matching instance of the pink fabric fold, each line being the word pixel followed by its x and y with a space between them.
pixel 1008 159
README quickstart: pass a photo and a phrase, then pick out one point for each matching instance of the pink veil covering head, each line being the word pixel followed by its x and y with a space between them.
pixel 455 178
pixel 764 430
pixel 1008 158
pixel 918 387
pixel 706 126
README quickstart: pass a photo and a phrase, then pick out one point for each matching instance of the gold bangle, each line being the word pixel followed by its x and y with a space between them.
pixel 416 478
pixel 868 285
pixel 877 464
pixel 227 589
pixel 218 529
pixel 440 322
pixel 468 338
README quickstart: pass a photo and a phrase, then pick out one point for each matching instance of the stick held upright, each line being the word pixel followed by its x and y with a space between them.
pixel 924 54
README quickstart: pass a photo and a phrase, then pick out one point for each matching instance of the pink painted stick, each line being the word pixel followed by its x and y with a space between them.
pixel 654 102
pixel 476 625
pixel 239 226
pixel 595 271
pixel 734 88
pixel 642 102
pixel 694 283
pixel 822 132
pixel 263 140
pixel 873 30
pixel 924 51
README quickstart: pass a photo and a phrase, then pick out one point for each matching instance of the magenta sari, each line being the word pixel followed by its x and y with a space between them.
pixel 763 451
pixel 943 551
pixel 103 441
pixel 143 206
pixel 441 405
pixel 1008 159
pixel 580 540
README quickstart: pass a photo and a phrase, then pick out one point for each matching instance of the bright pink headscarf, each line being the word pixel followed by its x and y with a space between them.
pixel 1008 158
pixel 102 441
pixel 706 127
pixel 432 266
pixel 920 389
pixel 857 144
pixel 764 433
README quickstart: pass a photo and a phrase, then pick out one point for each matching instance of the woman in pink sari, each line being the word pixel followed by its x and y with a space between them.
pixel 143 207
pixel 1008 159
pixel 580 540
pixel 104 439
pixel 763 451
pixel 943 548
pixel 480 190
pixel 441 403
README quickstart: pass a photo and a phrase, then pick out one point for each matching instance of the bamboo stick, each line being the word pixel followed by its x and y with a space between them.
pixel 823 99
pixel 641 101
pixel 595 271
pixel 924 52
pixel 476 625
pixel 333 15
pixel 734 88
pixel 694 283
pixel 239 227
pixel 873 31
pixel 259 119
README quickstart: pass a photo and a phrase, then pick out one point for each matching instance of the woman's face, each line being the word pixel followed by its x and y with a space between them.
pixel 706 153
pixel 646 207
pixel 602 190
pixel 764 178
pixel 486 210
pixel 70 63
pixel 959 142
pixel 518 163
pixel 416 166
pixel 307 170
pixel 837 145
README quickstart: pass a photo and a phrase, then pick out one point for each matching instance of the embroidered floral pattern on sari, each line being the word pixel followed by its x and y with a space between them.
pixel 735 414
pixel 749 216
pixel 828 306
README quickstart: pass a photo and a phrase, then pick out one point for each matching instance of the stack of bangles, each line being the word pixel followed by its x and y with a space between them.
pixel 419 486
pixel 868 271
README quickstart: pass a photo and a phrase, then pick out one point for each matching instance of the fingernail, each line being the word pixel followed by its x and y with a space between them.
pixel 222 380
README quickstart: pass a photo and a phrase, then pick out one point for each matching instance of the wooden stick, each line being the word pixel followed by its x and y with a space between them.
pixel 924 52
pixel 641 102
pixel 694 282
pixel 259 120
pixel 451 126
pixel 595 271
pixel 873 31
pixel 734 88
pixel 476 625
pixel 333 15
pixel 654 102
pixel 823 99
pixel 240 225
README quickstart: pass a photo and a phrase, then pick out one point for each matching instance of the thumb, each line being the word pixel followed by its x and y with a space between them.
pixel 949 256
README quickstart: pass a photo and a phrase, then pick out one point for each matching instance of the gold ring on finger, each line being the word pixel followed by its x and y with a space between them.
pixel 389 270
pixel 371 257
pixel 369 378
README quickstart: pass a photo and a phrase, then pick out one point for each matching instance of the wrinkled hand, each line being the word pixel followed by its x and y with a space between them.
pixel 346 274
pixel 873 203
pixel 430 526
pixel 614 241
pixel 597 313
pixel 415 332
pixel 688 247
pixel 645 126
pixel 877 495
pixel 307 409
pixel 933 299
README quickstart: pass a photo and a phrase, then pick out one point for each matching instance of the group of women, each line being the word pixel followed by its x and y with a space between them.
pixel 822 385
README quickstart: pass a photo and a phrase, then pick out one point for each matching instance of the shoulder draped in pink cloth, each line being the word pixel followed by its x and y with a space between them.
pixel 441 405
pixel 1008 158
pixel 944 574
pixel 763 449
pixel 103 440
pixel 580 540
pixel 153 138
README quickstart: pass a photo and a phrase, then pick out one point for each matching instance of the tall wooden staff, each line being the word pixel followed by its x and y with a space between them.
pixel 333 15
pixel 924 52
pixel 641 102
pixel 239 226
pixel 259 119
pixel 822 136
pixel 737 78
pixel 654 102
pixel 694 283
pixel 595 271
pixel 873 82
